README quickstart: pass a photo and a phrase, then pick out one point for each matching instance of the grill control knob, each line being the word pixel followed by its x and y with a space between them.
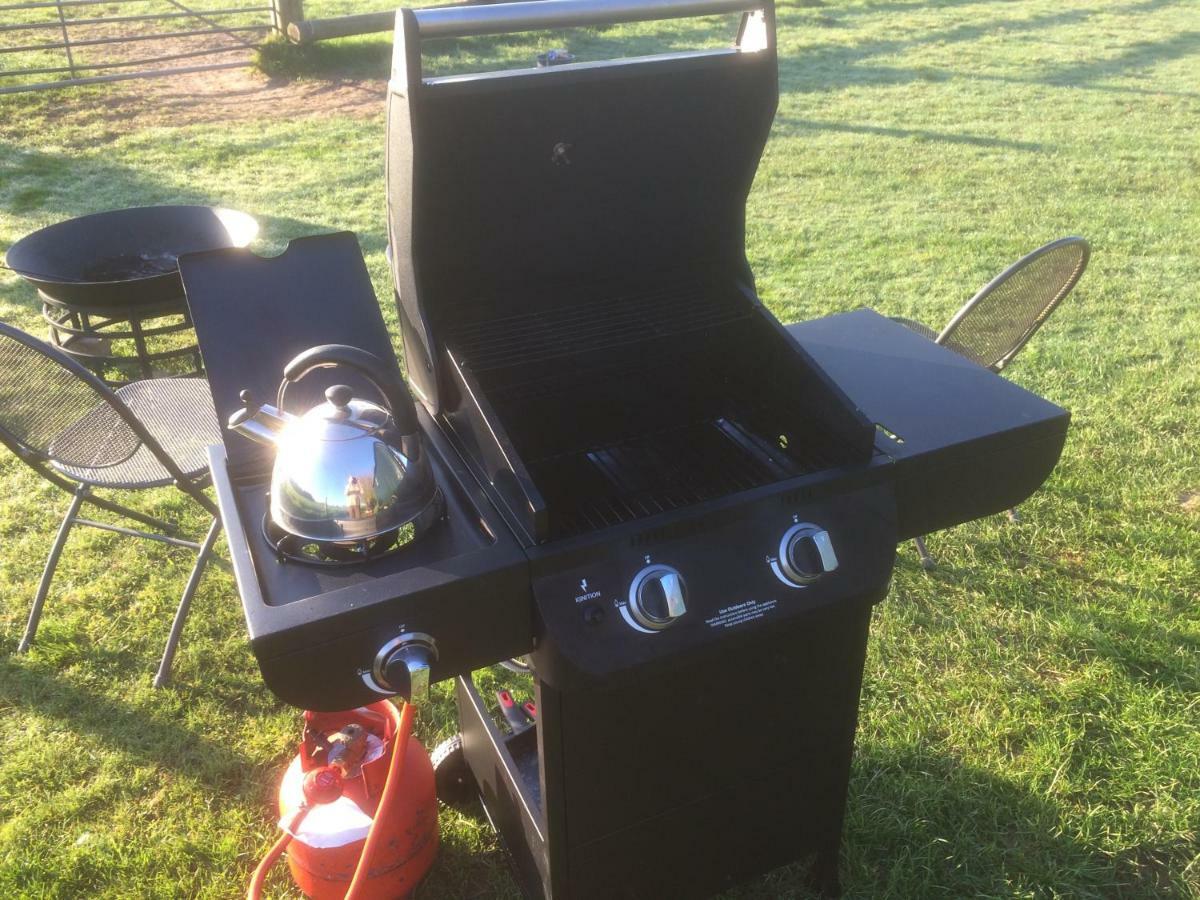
pixel 806 553
pixel 657 597
pixel 402 665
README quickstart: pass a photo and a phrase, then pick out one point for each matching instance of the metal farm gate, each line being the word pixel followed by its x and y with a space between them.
pixel 54 43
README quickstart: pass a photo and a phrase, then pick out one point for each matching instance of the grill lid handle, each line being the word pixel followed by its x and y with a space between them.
pixel 538 15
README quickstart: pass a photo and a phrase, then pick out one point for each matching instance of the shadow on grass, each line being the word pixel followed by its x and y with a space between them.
pixel 367 56
pixel 1139 56
pixel 471 860
pixel 787 124
pixel 923 824
pixel 909 5
pixel 140 732
pixel 833 66
pixel 918 824
pixel 61 185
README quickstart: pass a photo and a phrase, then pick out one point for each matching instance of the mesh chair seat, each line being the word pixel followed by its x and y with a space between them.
pixel 178 413
pixel 60 419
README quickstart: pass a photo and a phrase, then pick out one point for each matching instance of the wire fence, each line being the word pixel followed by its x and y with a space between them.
pixel 56 43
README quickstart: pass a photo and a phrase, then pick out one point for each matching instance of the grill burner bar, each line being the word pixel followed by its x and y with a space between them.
pixel 655 473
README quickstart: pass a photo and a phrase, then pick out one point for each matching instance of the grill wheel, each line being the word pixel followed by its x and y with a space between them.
pixel 455 784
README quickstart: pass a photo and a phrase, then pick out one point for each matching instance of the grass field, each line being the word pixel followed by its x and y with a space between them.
pixel 1031 712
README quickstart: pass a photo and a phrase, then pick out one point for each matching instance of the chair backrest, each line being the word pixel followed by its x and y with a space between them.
pixel 1003 316
pixel 55 409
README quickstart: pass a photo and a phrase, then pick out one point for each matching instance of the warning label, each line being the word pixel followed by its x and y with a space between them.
pixel 729 616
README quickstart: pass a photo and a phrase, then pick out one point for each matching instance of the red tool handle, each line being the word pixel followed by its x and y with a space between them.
pixel 516 716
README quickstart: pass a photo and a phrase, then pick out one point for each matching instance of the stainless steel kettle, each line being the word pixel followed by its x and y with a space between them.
pixel 348 470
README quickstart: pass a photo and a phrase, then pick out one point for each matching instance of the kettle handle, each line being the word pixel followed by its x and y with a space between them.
pixel 394 390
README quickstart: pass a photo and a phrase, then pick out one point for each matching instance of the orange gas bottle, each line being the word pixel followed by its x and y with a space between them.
pixel 345 787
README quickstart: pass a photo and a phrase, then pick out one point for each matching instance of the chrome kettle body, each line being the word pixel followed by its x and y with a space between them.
pixel 347 470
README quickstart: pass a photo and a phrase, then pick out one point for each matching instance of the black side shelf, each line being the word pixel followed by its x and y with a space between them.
pixel 966 442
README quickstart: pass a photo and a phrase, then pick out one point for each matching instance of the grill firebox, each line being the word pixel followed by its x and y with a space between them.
pixel 635 403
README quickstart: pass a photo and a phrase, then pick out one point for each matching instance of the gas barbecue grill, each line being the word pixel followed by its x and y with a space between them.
pixel 652 487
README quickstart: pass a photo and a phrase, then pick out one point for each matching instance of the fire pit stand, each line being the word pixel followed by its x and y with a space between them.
pixel 89 336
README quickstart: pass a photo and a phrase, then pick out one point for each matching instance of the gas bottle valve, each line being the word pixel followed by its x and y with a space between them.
pixel 403 665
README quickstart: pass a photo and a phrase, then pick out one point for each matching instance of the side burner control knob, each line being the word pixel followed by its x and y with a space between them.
pixel 657 597
pixel 402 665
pixel 806 553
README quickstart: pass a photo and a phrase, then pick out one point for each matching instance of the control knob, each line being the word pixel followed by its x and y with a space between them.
pixel 806 553
pixel 657 597
pixel 402 666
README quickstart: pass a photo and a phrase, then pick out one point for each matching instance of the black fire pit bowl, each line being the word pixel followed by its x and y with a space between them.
pixel 126 257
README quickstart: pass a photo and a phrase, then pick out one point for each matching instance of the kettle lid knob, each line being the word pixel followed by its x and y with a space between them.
pixel 339 395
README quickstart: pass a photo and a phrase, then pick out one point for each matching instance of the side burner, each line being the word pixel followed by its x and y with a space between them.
pixel 465 581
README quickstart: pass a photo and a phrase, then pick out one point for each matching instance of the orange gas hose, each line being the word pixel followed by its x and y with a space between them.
pixel 387 800
pixel 260 874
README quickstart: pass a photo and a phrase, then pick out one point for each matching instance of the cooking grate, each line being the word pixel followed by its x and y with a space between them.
pixel 592 323
pixel 654 473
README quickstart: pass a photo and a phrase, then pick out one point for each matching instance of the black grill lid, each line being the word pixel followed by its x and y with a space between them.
pixel 517 191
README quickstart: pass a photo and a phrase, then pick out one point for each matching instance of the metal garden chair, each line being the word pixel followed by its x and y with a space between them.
pixel 79 434
pixel 993 326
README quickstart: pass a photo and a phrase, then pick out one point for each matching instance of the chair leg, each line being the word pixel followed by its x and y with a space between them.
pixel 927 561
pixel 149 521
pixel 185 604
pixel 1014 516
pixel 64 531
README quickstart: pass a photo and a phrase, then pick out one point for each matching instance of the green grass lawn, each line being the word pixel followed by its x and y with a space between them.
pixel 1031 711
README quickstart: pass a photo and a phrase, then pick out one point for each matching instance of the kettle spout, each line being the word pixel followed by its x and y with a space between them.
pixel 259 422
